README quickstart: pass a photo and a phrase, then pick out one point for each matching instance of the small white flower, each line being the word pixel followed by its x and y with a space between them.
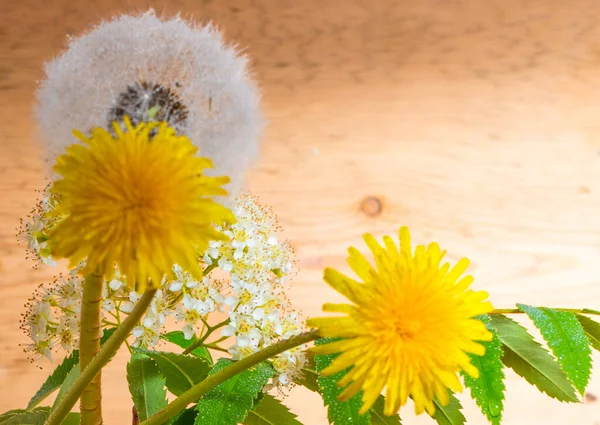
pixel 108 305
pixel 188 331
pixel 255 336
pixel 283 379
pixel 115 284
pixel 225 265
pixel 126 307
pixel 189 302
pixel 176 286
pixel 228 330
pixel 134 297
pixel 230 301
pixel 242 341
pixel 148 321
pixel 258 313
pixel 205 307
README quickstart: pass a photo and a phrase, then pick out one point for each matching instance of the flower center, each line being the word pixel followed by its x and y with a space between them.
pixel 149 102
pixel 406 328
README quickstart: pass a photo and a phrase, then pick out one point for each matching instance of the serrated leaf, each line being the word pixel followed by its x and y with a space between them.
pixel 450 414
pixel 15 412
pixel 146 385
pixel 488 389
pixel 270 411
pixel 531 361
pixel 229 402
pixel 66 385
pixel 187 417
pixel 177 338
pixel 592 330
pixel 36 416
pixel 567 340
pixel 10 413
pixel 338 412
pixel 181 372
pixel 55 380
pixel 377 416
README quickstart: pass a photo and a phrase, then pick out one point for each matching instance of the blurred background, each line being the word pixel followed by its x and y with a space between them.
pixel 476 123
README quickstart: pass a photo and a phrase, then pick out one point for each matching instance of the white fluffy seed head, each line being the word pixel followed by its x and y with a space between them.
pixel 209 77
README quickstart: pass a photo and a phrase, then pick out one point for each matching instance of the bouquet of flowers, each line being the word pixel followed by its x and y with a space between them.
pixel 150 125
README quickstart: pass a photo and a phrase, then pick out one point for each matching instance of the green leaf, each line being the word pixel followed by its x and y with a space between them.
pixel 36 416
pixel 10 413
pixel 377 416
pixel 449 414
pixel 16 412
pixel 69 380
pixel 181 372
pixel 531 361
pixel 338 412
pixel 592 330
pixel 567 340
pixel 177 338
pixel 309 378
pixel 488 389
pixel 270 411
pixel 146 385
pixel 106 333
pixel 229 402
pixel 71 419
pixel 187 417
pixel 55 380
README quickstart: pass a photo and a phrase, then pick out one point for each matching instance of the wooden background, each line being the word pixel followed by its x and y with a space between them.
pixel 476 123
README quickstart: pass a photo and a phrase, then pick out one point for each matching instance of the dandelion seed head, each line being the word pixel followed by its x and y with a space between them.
pixel 85 85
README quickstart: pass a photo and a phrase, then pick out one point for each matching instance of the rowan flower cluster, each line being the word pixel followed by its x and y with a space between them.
pixel 245 278
pixel 35 229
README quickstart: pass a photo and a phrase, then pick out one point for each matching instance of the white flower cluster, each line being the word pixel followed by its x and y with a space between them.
pixel 258 264
pixel 253 297
pixel 35 230
pixel 184 298
pixel 53 315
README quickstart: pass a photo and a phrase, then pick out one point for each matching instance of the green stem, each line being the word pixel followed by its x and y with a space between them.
pixel 89 345
pixel 104 355
pixel 200 389
pixel 215 347
pixel 209 331
pixel 118 318
pixel 568 310
pixel 210 268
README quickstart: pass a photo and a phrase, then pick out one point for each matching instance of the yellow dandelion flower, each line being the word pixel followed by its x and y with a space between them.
pixel 409 327
pixel 138 199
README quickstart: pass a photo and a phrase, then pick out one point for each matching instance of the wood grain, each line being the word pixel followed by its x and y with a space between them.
pixel 475 123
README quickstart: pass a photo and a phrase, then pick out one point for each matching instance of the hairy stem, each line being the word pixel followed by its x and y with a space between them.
pixel 102 358
pixel 89 345
pixel 197 391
